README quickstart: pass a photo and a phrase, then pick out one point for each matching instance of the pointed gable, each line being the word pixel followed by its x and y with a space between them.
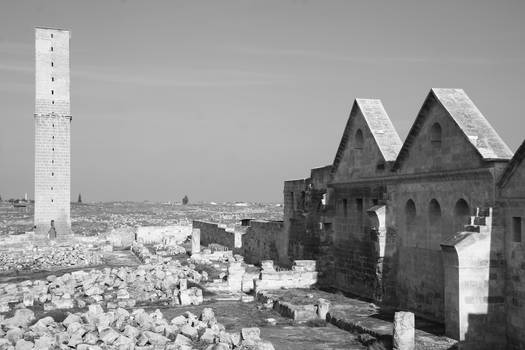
pixel 467 137
pixel 513 178
pixel 369 142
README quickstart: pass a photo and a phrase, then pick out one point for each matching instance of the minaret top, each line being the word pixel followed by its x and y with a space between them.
pixel 52 72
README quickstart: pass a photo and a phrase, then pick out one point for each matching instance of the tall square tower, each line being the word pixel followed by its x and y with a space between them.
pixel 52 131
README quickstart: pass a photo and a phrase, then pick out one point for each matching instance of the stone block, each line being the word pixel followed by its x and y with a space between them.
pixel 404 333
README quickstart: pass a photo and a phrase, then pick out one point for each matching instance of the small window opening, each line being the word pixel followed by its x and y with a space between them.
pixel 52 161
pixel 51 35
pixel 52 92
pixel 51 201
pixel 435 135
pixel 345 208
pixel 52 64
pixel 53 149
pixel 53 102
pixel 52 174
pixel 51 188
pixel 53 125
pixel 410 212
pixel 516 229
pixel 359 141
pixel 53 137
pixel 359 206
pixel 51 48
pixel 52 78
pixel 434 211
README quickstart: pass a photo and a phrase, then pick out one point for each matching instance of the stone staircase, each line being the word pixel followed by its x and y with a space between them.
pixel 481 222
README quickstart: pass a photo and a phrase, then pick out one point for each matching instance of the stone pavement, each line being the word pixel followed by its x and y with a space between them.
pixel 374 325
pixel 360 316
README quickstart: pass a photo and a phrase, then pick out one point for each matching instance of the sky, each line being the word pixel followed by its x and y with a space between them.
pixel 225 100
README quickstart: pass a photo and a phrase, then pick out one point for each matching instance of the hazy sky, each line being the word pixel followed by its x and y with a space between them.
pixel 224 100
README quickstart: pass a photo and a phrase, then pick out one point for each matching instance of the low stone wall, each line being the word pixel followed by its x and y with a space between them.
pixel 318 309
pixel 256 242
pixel 217 233
pixel 302 275
pixel 162 234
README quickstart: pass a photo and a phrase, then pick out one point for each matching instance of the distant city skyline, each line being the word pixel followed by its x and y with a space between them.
pixel 223 101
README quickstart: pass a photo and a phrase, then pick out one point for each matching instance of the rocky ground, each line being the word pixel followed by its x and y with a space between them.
pixel 102 309
pixel 121 329
pixel 95 218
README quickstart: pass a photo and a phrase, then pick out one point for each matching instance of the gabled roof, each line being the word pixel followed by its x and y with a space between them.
pixel 380 126
pixel 513 165
pixel 468 118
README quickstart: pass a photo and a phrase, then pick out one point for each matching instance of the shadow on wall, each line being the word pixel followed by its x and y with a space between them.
pixel 474 284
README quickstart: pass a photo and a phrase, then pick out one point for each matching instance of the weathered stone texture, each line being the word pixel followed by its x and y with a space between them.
pixel 52 132
pixel 260 241
pixel 512 207
pixel 390 214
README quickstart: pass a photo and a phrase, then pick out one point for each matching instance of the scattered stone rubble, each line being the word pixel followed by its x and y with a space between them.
pixel 121 329
pixel 113 287
pixel 48 257
pixel 162 252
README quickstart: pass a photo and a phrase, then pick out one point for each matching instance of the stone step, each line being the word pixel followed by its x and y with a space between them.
pixel 472 228
pixel 479 220
pixel 484 212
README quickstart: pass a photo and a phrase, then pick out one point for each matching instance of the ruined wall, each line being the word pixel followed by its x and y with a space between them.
pixel 355 250
pixel 260 242
pixel 256 242
pixel 294 221
pixel 159 234
pixel 215 233
pixel 512 206
pixel 52 131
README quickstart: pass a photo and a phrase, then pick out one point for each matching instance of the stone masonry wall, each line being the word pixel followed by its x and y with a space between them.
pixel 215 233
pixel 420 276
pixel 52 132
pixel 512 221
pixel 294 221
pixel 260 241
pixel 256 242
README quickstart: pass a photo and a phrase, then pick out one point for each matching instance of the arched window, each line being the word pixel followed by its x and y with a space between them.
pixel 461 208
pixel 461 214
pixel 359 141
pixel 410 212
pixel 435 135
pixel 434 211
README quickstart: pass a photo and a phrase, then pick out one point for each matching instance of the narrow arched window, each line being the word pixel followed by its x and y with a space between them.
pixel 434 211
pixel 410 212
pixel 435 135
pixel 359 141
pixel 461 214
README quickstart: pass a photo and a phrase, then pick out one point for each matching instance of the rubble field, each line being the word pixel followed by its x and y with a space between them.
pixel 163 299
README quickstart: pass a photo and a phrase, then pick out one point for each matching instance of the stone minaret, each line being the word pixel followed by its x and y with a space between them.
pixel 52 131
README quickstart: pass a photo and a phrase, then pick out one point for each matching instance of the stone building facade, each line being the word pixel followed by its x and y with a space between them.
pixel 432 224
pixel 52 131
